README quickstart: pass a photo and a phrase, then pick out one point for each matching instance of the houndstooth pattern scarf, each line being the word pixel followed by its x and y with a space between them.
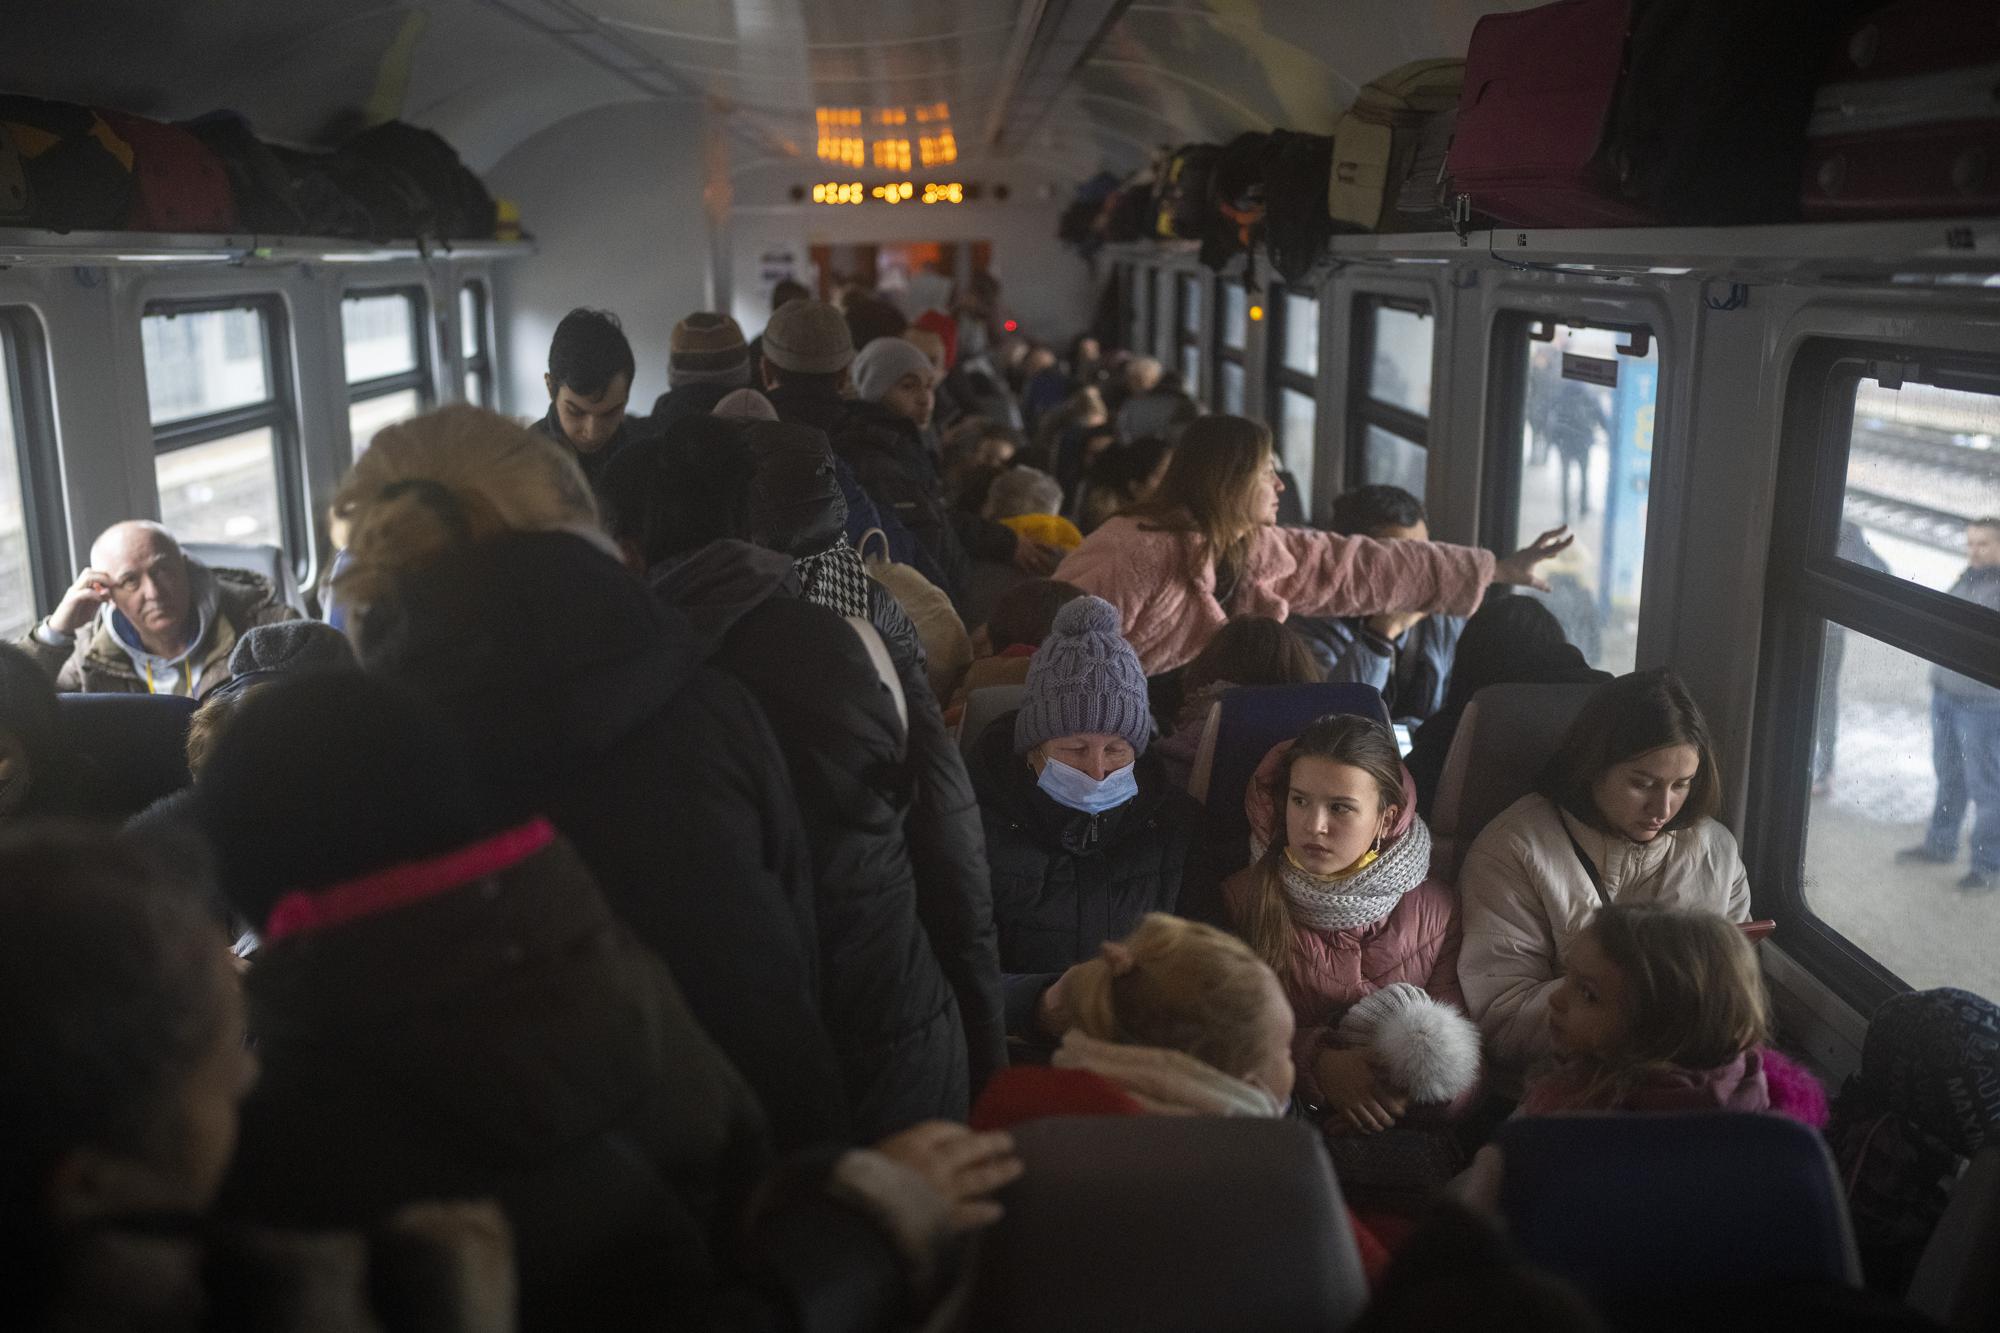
pixel 835 579
pixel 1362 898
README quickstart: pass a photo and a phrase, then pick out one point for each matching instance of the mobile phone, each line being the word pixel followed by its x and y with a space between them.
pixel 1757 930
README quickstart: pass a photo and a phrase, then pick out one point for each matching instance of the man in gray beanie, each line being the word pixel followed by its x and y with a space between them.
pixel 1085 833
pixel 707 359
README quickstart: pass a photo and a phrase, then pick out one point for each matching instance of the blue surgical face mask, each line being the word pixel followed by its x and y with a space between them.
pixel 1079 791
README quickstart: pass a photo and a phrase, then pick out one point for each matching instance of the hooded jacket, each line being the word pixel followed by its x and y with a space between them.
pixel 1760 1079
pixel 894 1020
pixel 1064 882
pixel 1410 673
pixel 509 1038
pixel 888 457
pixel 230 602
pixel 1169 619
pixel 1527 898
pixel 581 695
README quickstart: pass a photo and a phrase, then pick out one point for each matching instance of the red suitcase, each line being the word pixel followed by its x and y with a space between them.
pixel 1907 122
pixel 1529 143
pixel 182 186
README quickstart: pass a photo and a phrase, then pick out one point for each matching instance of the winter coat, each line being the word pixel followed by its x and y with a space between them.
pixel 829 414
pixel 595 462
pixel 798 511
pixel 894 1022
pixel 1980 585
pixel 1527 898
pixel 508 1037
pixel 1760 1079
pixel 580 694
pixel 888 456
pixel 1168 620
pixel 231 602
pixel 1411 673
pixel 690 400
pixel 1065 882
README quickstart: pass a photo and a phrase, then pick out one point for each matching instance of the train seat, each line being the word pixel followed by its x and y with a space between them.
pixel 982 708
pixel 261 559
pixel 1628 1203
pixel 1957 1282
pixel 1245 723
pixel 1506 736
pixel 132 748
pixel 1169 1223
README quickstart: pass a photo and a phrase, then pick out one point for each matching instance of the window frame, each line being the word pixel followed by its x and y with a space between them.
pixel 1807 586
pixel 1186 282
pixel 480 364
pixel 279 412
pixel 1364 410
pixel 1225 354
pixel 418 378
pixel 24 365
pixel 1280 378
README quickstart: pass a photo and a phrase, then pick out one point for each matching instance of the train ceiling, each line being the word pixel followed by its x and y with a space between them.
pixel 1061 86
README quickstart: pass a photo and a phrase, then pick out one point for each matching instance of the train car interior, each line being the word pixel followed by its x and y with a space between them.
pixel 971 321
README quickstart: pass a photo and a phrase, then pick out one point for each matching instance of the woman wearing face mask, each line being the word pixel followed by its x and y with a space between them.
pixel 1624 814
pixel 1084 833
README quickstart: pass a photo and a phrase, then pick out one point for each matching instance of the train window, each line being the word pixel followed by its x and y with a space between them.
pixel 222 430
pixel 1877 802
pixel 17 569
pixel 1188 325
pixel 472 344
pixel 1294 369
pixel 383 345
pixel 1392 400
pixel 1235 317
pixel 1585 459
pixel 1230 347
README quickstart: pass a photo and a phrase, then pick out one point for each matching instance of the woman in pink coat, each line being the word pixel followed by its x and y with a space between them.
pixel 1340 903
pixel 1207 546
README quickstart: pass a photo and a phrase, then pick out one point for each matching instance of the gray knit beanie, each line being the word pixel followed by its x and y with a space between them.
pixel 1084 678
pixel 879 365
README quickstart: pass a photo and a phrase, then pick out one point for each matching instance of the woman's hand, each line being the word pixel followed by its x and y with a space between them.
pixel 1353 1093
pixel 1519 568
pixel 963 1167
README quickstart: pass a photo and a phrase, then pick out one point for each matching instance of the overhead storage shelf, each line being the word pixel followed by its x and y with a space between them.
pixel 42 249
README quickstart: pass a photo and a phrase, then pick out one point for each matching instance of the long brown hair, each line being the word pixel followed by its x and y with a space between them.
pixel 1340 738
pixel 1253 650
pixel 1180 985
pixel 1694 998
pixel 1209 491
pixel 1630 716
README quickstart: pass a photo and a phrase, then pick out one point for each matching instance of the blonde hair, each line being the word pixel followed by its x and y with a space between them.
pixel 1180 985
pixel 453 477
pixel 1694 997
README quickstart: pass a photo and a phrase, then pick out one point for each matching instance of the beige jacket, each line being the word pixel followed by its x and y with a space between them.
pixel 1526 897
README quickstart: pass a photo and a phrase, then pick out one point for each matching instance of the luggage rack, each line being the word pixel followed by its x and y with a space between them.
pixel 25 248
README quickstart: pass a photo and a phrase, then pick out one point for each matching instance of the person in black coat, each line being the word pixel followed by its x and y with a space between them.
pixel 479 580
pixel 445 1007
pixel 1084 833
pixel 911 976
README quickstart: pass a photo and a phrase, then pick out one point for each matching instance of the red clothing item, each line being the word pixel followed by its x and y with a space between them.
pixel 1030 1092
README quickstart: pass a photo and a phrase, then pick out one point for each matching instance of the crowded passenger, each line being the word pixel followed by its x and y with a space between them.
pixel 1510 641
pixel 1206 545
pixel 1625 814
pixel 1249 650
pixel 589 380
pixel 480 579
pixel 1029 501
pixel 1340 902
pixel 1406 655
pixel 144 617
pixel 1002 648
pixel 1118 477
pixel 682 509
pixel 1084 833
pixel 38 771
pixel 707 360
pixel 1965 738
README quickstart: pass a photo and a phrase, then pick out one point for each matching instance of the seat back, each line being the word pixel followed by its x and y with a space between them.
pixel 1169 1223
pixel 262 560
pixel 1957 1281
pixel 982 708
pixel 1627 1203
pixel 1245 723
pixel 1503 741
pixel 131 748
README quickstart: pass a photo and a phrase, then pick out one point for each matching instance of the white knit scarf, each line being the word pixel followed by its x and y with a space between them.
pixel 1362 898
pixel 1165 1082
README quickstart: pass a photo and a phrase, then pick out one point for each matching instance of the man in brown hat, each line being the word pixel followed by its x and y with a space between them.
pixel 706 360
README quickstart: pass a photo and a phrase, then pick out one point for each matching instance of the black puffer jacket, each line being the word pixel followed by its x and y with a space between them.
pixel 795 507
pixel 1065 882
pixel 894 1021
pixel 581 695
pixel 510 1039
